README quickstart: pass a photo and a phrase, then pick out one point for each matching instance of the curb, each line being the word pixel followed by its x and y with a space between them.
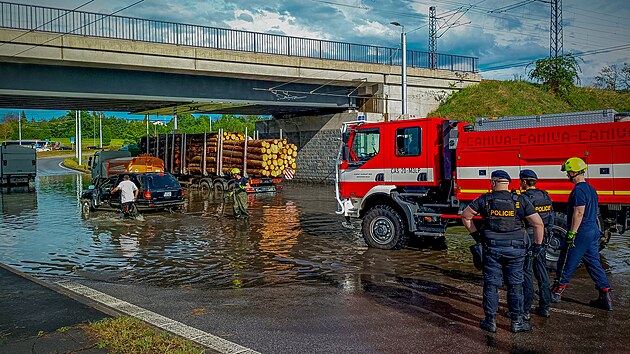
pixel 62 164
pixel 80 298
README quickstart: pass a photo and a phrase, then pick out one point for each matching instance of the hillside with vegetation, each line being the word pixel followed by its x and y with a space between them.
pixel 516 98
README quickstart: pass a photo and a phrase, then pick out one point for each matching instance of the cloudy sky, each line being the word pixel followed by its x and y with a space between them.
pixel 501 33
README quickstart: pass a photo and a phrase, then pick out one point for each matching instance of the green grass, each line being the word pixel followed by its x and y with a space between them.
pixel 501 98
pixel 89 142
pixel 131 336
pixel 73 163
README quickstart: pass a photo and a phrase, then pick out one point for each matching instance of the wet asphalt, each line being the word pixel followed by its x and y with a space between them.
pixel 292 279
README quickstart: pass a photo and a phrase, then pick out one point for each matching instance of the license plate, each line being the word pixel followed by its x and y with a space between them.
pixel 167 194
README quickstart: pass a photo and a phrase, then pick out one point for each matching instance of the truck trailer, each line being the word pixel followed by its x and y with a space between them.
pixel 414 177
pixel 18 165
pixel 205 160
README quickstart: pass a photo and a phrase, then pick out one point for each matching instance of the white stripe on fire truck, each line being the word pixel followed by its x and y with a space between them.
pixel 389 174
pixel 620 170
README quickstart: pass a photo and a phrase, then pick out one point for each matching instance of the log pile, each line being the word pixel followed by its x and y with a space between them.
pixel 265 157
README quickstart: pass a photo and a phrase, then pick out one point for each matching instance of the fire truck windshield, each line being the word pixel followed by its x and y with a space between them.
pixel 366 144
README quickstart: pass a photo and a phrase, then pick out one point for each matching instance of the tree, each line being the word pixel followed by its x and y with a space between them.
pixel 6 131
pixel 613 77
pixel 557 74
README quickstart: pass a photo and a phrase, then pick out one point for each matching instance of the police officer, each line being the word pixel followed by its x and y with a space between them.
pixel 582 242
pixel 503 236
pixel 535 264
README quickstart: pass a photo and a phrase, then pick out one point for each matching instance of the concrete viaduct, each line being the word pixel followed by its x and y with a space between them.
pixel 309 97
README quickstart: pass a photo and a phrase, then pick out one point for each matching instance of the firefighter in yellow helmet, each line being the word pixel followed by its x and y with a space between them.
pixel 582 240
pixel 239 194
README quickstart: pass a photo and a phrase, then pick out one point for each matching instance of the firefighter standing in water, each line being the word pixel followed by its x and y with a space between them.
pixel 535 263
pixel 582 242
pixel 504 249
pixel 239 194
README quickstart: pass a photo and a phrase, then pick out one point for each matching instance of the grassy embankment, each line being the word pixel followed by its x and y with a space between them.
pixel 131 336
pixel 515 98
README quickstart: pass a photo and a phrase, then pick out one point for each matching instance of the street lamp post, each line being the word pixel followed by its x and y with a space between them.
pixel 403 41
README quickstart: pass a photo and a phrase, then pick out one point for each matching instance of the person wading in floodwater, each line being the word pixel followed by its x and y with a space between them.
pixel 128 195
pixel 239 194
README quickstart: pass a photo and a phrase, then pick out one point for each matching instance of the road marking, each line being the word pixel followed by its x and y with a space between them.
pixel 198 336
pixel 65 168
pixel 571 312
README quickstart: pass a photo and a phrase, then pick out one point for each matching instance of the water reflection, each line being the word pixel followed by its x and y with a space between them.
pixel 292 237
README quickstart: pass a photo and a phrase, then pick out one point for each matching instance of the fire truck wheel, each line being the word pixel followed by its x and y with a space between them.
pixel 383 228
pixel 559 234
pixel 555 241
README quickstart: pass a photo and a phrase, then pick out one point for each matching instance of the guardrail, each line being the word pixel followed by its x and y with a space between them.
pixel 63 21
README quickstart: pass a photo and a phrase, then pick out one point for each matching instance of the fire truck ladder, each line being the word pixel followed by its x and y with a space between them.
pixel 546 120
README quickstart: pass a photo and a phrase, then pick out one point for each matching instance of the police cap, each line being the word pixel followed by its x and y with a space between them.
pixel 126 177
pixel 500 174
pixel 527 174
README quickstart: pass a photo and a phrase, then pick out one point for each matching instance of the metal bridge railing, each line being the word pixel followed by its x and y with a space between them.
pixel 62 21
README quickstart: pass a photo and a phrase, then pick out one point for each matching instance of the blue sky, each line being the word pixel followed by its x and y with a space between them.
pixel 487 29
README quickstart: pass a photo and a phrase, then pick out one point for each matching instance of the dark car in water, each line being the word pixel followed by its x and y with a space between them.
pixel 156 191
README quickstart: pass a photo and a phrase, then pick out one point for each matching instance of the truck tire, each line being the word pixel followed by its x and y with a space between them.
pixel 383 228
pixel 204 186
pixel 86 209
pixel 559 234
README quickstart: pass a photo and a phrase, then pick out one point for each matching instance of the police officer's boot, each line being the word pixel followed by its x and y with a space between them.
pixel 604 301
pixel 556 292
pixel 520 325
pixel 489 324
pixel 543 312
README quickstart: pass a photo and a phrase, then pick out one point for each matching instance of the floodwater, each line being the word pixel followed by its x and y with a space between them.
pixel 292 236
pixel 292 279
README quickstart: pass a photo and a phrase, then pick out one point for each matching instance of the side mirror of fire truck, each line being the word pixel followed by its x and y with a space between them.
pixel 345 137
pixel 345 153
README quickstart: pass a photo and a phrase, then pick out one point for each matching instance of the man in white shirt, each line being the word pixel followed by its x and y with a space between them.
pixel 128 194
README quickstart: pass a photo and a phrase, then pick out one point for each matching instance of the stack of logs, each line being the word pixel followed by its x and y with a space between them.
pixel 265 158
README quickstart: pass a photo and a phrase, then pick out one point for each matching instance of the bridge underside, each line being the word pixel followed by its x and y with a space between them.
pixel 35 86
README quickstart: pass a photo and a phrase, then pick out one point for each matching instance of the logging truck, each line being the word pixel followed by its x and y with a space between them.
pixel 411 177
pixel 205 160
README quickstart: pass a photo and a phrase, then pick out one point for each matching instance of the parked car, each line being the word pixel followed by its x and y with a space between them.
pixel 63 147
pixel 92 147
pixel 156 191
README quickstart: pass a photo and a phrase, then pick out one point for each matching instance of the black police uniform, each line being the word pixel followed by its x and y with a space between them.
pixel 503 236
pixel 535 264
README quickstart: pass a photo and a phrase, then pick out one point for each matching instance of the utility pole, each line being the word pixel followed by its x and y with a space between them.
pixel 20 127
pixel 147 137
pixel 556 38
pixel 432 38
pixel 175 120
pixel 76 134
pixel 79 139
pixel 100 130
pixel 403 40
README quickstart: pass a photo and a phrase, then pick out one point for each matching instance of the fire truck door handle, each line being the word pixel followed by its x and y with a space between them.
pixel 380 177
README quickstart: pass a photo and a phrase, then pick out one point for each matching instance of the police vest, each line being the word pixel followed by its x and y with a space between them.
pixel 503 217
pixel 543 205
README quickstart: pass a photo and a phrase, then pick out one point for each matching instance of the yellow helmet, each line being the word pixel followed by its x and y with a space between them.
pixel 574 164
pixel 235 171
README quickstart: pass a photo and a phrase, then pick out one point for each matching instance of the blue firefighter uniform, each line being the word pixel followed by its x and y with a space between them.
pixel 503 235
pixel 535 263
pixel 586 243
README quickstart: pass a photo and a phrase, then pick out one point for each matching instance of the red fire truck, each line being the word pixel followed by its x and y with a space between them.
pixel 414 177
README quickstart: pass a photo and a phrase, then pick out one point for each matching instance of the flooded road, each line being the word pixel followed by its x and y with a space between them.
pixel 294 258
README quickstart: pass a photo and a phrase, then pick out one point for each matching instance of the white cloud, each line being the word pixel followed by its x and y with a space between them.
pixel 375 29
pixel 267 21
